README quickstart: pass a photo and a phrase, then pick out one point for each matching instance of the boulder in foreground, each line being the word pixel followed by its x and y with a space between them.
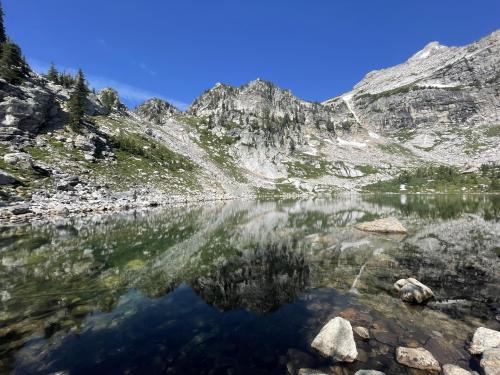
pixel 491 361
pixel 413 291
pixel 336 341
pixel 418 358
pixel 389 225
pixel 484 339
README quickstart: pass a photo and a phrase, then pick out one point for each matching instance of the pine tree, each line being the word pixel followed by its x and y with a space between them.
pixel 3 35
pixel 77 102
pixel 52 74
pixel 13 68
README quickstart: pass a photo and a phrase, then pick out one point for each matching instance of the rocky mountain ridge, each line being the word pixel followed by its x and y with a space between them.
pixel 441 107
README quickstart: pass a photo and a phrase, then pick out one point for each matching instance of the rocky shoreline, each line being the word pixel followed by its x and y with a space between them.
pixel 85 204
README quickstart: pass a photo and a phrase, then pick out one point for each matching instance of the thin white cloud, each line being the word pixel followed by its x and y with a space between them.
pixel 144 67
pixel 131 95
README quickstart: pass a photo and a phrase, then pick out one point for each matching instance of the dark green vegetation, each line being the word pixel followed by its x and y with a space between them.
pixel 77 102
pixel 60 78
pixel 443 179
pixel 13 67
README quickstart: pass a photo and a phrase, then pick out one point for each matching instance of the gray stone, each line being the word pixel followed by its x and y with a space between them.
pixel 336 341
pixel 413 291
pixel 386 226
pixel 484 339
pixel 418 358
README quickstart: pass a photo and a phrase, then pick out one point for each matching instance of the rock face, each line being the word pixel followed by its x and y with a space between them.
pixel 491 361
pixel 454 370
pixel 336 341
pixel 413 291
pixel 157 111
pixel 386 226
pixel 24 110
pixel 484 339
pixel 418 358
pixel 440 84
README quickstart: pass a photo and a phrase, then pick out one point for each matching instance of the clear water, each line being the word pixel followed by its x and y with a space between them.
pixel 243 287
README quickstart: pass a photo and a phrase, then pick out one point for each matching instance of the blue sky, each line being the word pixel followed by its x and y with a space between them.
pixel 177 49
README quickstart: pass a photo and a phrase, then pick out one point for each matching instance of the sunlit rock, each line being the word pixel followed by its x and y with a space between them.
pixel 484 339
pixel 336 341
pixel 417 358
pixel 386 226
pixel 491 361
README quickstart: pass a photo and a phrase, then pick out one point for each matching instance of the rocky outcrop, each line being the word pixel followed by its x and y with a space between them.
pixel 157 111
pixel 388 225
pixel 110 100
pixel 336 341
pixel 438 85
pixel 418 358
pixel 24 110
pixel 484 339
pixel 413 291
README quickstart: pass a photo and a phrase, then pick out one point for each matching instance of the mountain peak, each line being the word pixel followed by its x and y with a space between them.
pixel 431 49
pixel 156 110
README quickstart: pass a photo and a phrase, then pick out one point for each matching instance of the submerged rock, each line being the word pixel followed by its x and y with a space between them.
pixel 484 339
pixel 309 371
pixel 336 341
pixel 297 359
pixel 418 358
pixel 413 291
pixel 454 370
pixel 386 226
pixel 491 361
pixel 362 332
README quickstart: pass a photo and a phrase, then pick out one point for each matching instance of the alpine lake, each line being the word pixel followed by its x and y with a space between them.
pixel 243 287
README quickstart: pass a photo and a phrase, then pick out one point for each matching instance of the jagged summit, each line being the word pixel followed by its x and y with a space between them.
pixel 431 49
pixel 156 110
pixel 110 99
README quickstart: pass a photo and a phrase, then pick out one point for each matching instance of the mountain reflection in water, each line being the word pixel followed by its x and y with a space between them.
pixel 243 287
